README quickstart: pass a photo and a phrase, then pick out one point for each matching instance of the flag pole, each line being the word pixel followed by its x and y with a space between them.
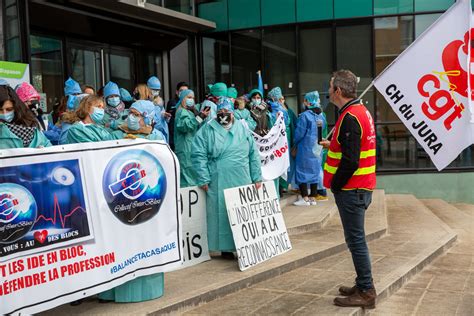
pixel 366 90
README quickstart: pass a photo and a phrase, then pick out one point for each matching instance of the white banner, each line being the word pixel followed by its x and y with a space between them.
pixel 193 212
pixel 427 86
pixel 273 150
pixel 79 219
pixel 257 223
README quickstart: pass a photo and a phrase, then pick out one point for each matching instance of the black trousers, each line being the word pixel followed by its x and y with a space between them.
pixel 304 189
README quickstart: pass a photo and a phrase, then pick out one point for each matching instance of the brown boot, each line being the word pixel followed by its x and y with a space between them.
pixel 347 291
pixel 365 299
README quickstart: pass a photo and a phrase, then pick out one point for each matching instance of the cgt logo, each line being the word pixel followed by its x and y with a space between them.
pixel 441 100
pixel 458 76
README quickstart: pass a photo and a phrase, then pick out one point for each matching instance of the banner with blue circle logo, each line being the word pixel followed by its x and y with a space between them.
pixel 80 219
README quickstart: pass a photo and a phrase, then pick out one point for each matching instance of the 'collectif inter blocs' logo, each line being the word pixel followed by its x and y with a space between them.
pixel 134 186
pixel 17 212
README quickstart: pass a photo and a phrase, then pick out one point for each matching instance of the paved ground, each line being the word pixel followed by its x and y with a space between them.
pixel 446 287
pixel 310 290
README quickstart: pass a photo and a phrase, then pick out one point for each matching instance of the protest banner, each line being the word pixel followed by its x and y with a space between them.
pixel 79 219
pixel 273 151
pixel 257 223
pixel 428 86
pixel 193 213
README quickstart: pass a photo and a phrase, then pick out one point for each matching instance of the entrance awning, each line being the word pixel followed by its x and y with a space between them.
pixel 152 14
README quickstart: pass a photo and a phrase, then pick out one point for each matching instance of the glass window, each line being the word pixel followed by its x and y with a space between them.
pixel 86 66
pixel 354 52
pixel 385 7
pixel 398 149
pixel 430 5
pixel 153 66
pixel 392 36
pixel 47 68
pixel 215 60
pixel 119 69
pixel 316 63
pixel 279 46
pixel 246 58
pixel 423 21
pixel 12 31
pixel 2 48
pixel 180 64
pixel 183 6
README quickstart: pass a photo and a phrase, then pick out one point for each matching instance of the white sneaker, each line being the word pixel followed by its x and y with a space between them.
pixel 301 202
pixel 312 201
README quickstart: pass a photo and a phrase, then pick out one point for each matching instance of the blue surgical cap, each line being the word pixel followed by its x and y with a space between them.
pixel 225 103
pixel 154 83
pixel 71 86
pixel 313 99
pixel 275 94
pixel 146 109
pixel 110 89
pixel 184 94
pixel 125 95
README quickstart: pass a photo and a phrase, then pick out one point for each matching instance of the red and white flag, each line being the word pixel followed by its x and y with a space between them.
pixel 429 86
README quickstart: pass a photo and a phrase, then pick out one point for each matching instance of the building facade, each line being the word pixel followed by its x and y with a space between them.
pixel 296 44
pixel 125 41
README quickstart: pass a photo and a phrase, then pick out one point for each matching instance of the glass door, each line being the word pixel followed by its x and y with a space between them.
pixel 119 67
pixel 95 64
pixel 84 64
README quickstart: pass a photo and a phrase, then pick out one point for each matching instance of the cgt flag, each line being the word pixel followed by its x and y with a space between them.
pixel 429 86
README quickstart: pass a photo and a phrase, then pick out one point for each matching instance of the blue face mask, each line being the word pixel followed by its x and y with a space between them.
pixel 98 115
pixel 7 117
pixel 113 101
pixel 133 122
pixel 189 102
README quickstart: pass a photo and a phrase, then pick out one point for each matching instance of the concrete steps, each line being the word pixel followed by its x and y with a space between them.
pixel 315 235
pixel 466 208
pixel 300 220
pixel 446 286
pixel 415 238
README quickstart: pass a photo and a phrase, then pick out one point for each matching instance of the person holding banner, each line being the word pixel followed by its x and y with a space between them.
pixel 138 123
pixel 187 122
pixel 241 113
pixel 259 112
pixel 18 126
pixel 309 152
pixel 89 129
pixel 224 156
pixel 350 173
pixel 277 105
